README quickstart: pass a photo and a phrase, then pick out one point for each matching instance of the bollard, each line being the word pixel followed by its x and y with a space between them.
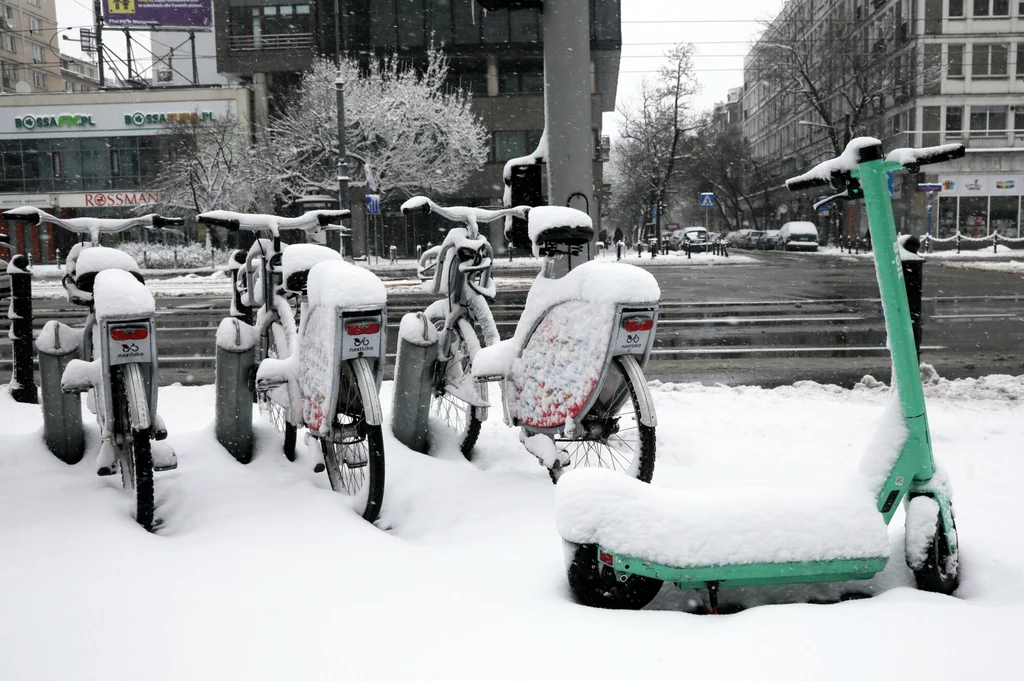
pixel 236 361
pixel 958 241
pixel 414 378
pixel 995 242
pixel 913 276
pixel 175 253
pixel 145 260
pixel 63 433
pixel 393 254
pixel 419 252
pixel 688 252
pixel 23 384
pixel 618 250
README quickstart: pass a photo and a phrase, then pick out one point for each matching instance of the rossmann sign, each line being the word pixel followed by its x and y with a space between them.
pixel 109 199
pixel 60 121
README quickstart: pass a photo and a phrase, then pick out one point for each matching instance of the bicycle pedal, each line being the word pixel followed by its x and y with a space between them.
pixel 319 468
pixel 105 470
pixel 159 435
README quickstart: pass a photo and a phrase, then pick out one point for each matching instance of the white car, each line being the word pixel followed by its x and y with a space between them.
pixel 798 236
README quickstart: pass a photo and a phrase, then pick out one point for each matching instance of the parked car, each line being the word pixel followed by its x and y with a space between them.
pixel 768 240
pixel 735 239
pixel 752 238
pixel 693 239
pixel 798 236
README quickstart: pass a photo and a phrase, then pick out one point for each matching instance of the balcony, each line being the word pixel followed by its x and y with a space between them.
pixel 284 41
pixel 989 139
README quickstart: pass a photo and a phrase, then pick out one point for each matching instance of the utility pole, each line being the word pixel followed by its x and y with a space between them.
pixel 97 9
pixel 339 86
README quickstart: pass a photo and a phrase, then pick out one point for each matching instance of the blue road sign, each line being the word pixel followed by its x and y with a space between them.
pixel 707 200
pixel 929 187
pixel 373 204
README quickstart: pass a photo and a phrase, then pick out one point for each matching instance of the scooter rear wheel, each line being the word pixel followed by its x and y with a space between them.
pixel 595 584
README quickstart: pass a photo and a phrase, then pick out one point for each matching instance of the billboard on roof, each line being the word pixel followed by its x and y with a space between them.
pixel 163 13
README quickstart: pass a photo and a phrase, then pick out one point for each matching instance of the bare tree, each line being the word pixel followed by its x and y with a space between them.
pixel 407 130
pixel 653 131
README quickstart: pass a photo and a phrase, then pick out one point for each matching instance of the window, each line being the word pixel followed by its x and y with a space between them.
pixel 988 121
pixel 1020 56
pixel 69 86
pixel 39 79
pixel 509 145
pixel 115 163
pixel 956 8
pixel 269 20
pixel 34 25
pixel 10 72
pixel 33 2
pixel 955 61
pixel 10 43
pixel 991 8
pixel 989 60
pixel 954 121
pixel 930 125
pixel 1018 119
pixel 37 53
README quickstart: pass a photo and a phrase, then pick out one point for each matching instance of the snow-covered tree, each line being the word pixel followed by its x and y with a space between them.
pixel 407 131
pixel 209 165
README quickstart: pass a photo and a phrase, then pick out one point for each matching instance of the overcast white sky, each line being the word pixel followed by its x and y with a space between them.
pixel 721 32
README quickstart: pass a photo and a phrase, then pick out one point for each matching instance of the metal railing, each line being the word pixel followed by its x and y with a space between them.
pixel 285 41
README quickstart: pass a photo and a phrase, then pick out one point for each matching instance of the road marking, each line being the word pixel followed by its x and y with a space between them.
pixel 759 350
pixel 976 316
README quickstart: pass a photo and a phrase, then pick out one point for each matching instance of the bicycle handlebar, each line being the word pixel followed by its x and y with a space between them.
pixel 312 221
pixel 91 226
pixel 463 214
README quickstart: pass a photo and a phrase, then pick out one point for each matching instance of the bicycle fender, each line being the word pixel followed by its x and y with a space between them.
pixel 368 391
pixel 648 416
pixel 138 403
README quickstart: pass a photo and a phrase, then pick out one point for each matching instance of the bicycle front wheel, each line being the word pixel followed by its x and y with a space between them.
pixel 612 435
pixel 354 455
pixel 456 377
pixel 272 407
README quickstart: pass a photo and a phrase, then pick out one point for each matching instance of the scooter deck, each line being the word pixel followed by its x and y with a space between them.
pixel 746 574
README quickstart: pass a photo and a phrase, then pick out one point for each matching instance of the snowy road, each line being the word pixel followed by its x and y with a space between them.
pixel 260 572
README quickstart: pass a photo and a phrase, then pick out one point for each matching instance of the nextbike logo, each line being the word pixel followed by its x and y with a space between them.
pixel 61 121
pixel 140 119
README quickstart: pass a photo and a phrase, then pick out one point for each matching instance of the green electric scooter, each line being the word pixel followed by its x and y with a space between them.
pixel 718 539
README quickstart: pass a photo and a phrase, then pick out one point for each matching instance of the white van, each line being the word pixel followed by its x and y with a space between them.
pixel 798 235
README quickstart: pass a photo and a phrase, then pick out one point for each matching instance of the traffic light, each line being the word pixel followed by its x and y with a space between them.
pixel 525 186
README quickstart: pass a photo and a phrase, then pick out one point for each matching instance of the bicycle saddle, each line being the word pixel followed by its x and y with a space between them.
pixel 82 271
pixel 558 225
pixel 298 259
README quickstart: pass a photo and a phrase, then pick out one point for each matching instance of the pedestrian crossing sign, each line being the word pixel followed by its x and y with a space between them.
pixel 707 200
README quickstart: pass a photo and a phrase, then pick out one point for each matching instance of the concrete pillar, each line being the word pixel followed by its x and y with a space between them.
pixel 260 101
pixel 492 76
pixel 567 116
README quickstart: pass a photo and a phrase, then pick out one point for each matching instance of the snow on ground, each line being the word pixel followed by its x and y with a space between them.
pixel 1011 267
pixel 261 572
pixel 981 253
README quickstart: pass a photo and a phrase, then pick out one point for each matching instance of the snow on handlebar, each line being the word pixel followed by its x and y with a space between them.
pixel 862 149
pixel 463 214
pixel 94 227
pixel 313 221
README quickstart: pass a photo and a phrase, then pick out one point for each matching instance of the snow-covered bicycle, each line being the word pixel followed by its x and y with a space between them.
pixel 460 268
pixel 118 366
pixel 572 375
pixel 324 372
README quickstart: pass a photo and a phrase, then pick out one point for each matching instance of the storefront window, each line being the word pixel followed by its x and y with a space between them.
pixel 946 217
pixel 1003 215
pixel 509 145
pixel 973 216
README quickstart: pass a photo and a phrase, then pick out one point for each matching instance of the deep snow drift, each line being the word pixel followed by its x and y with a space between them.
pixel 261 572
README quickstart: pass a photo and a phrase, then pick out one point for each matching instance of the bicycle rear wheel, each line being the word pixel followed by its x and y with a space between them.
pixel 457 413
pixel 611 435
pixel 274 411
pixel 354 456
pixel 134 455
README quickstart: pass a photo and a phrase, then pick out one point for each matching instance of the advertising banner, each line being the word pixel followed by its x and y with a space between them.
pixel 163 13
pixel 981 185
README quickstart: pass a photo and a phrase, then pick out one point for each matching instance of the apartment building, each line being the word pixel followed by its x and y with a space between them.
pixel 30 58
pixel 954 73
